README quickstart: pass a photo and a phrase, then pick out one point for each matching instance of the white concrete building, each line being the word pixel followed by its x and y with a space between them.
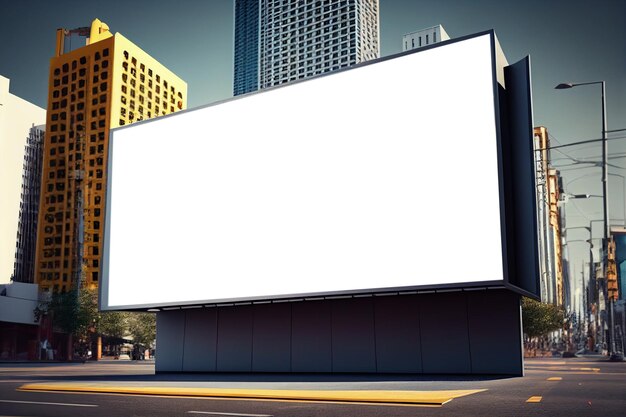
pixel 424 37
pixel 17 116
pixel 18 327
pixel 18 301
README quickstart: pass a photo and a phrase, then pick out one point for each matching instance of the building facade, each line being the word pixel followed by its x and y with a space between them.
pixel 555 190
pixel 107 83
pixel 18 326
pixel 17 116
pixel 246 77
pixel 300 39
pixel 549 218
pixel 424 37
pixel 24 267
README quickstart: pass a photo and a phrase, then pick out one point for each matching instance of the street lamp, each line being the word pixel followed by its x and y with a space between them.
pixel 604 154
pixel 605 192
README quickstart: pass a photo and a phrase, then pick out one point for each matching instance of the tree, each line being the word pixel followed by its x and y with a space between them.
pixel 539 319
pixel 75 314
pixel 114 324
pixel 142 326
pixel 72 313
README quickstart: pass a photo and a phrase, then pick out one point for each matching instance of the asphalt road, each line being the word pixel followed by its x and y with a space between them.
pixel 551 387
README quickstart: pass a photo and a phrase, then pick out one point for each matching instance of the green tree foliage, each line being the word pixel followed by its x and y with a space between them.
pixel 72 313
pixel 78 315
pixel 142 327
pixel 114 324
pixel 539 319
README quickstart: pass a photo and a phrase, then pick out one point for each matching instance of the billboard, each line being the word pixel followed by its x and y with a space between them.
pixel 343 184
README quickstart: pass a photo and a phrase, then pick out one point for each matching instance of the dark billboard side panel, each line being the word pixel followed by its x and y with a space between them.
pixel 520 196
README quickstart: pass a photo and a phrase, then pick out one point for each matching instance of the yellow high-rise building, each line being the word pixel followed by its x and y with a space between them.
pixel 107 83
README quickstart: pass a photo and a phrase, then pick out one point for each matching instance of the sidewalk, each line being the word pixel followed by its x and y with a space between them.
pixel 113 377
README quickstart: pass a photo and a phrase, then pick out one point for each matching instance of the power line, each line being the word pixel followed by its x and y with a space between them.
pixel 617 155
pixel 579 143
pixel 551 136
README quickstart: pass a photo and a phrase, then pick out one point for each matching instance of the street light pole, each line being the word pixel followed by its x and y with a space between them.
pixel 605 201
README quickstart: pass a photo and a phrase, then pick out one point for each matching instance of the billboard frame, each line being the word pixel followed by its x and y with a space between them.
pixel 506 218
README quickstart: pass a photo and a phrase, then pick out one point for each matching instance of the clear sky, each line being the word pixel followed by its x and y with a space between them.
pixel 567 40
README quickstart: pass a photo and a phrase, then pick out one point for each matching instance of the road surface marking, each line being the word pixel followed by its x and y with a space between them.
pixel 555 378
pixel 535 399
pixel 215 413
pixel 362 396
pixel 46 403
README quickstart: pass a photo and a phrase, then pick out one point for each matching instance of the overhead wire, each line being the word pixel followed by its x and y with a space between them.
pixel 582 160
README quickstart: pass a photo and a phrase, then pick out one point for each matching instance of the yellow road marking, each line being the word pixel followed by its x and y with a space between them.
pixel 534 399
pixel 369 396
pixel 555 378
pixel 562 369
pixel 248 399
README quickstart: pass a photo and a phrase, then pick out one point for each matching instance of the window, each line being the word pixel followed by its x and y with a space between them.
pixel 412 42
pixel 426 39
pixel 434 37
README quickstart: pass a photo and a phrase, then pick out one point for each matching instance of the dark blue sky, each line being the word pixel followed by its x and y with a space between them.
pixel 567 40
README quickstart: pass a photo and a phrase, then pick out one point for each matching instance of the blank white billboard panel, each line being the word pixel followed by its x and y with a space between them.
pixel 380 177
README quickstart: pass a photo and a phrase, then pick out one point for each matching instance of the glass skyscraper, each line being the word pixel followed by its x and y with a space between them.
pixel 246 46
pixel 278 41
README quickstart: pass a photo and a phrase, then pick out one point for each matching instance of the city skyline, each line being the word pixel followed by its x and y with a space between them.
pixel 195 39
